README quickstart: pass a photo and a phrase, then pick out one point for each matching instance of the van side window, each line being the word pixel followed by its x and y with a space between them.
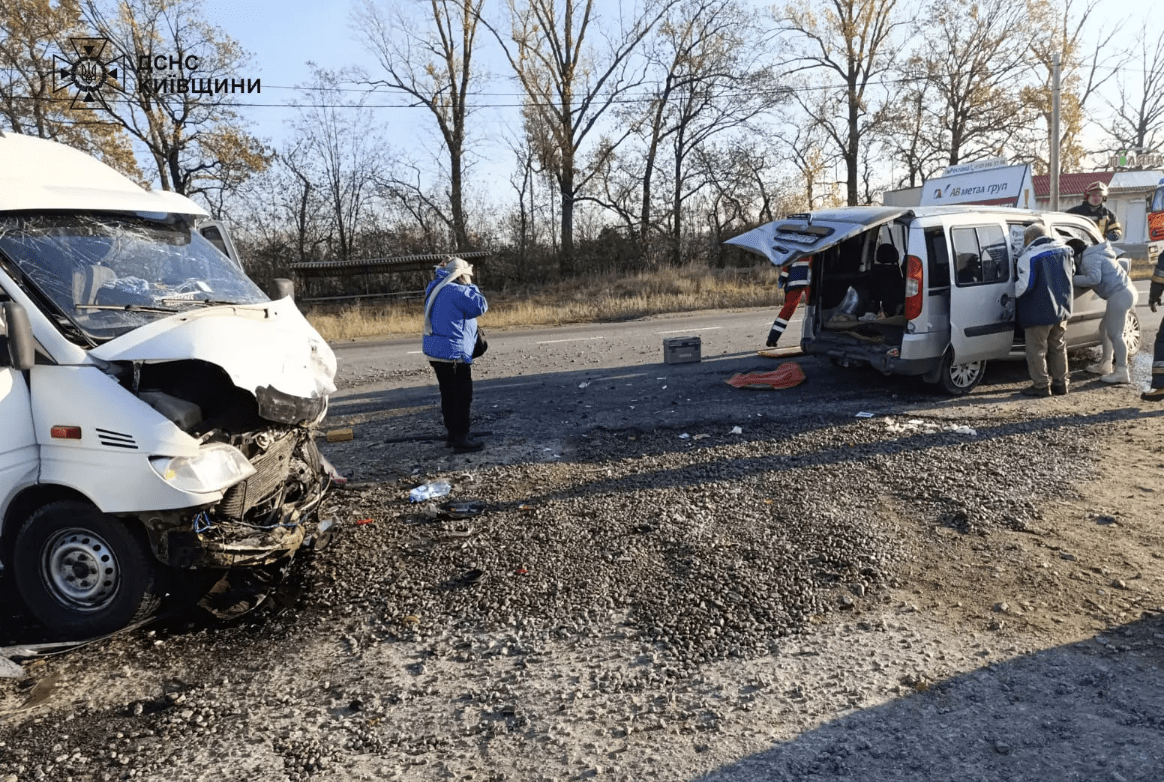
pixel 938 272
pixel 980 255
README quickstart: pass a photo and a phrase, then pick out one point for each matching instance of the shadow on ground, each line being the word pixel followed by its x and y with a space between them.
pixel 1092 711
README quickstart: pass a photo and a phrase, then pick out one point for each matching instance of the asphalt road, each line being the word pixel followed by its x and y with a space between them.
pixel 543 386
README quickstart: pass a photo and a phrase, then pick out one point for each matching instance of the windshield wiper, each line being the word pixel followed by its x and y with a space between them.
pixel 124 308
pixel 207 302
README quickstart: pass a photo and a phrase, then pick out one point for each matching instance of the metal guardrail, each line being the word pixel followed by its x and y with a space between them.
pixel 398 263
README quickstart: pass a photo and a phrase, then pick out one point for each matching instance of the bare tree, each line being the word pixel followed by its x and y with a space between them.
pixel 570 85
pixel 36 44
pixel 852 40
pixel 1088 66
pixel 806 146
pixel 180 82
pixel 333 154
pixel 710 85
pixel 974 56
pixel 1138 109
pixel 432 63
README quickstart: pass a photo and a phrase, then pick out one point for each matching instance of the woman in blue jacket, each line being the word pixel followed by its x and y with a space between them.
pixel 452 304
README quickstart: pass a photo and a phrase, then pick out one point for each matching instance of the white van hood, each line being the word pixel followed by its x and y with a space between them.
pixel 798 235
pixel 260 346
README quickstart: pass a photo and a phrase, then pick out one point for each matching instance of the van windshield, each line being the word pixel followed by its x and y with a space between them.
pixel 109 273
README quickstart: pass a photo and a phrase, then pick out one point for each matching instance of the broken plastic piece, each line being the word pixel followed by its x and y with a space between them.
pixel 428 491
pixel 463 509
pixel 736 430
pixel 863 414
pixel 10 670
pixel 362 522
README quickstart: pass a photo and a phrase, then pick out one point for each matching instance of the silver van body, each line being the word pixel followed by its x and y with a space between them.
pixel 925 291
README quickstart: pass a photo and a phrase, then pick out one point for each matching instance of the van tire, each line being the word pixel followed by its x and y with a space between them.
pixel 1133 339
pixel 960 379
pixel 56 554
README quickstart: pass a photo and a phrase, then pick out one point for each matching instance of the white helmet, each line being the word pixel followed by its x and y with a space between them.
pixel 1094 186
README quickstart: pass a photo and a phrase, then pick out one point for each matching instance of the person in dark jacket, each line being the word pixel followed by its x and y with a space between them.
pixel 1155 291
pixel 452 304
pixel 1092 206
pixel 1043 297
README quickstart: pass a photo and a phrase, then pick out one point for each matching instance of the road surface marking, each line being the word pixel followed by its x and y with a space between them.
pixel 575 339
pixel 686 331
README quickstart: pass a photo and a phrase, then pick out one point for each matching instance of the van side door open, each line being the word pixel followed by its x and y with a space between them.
pixel 982 307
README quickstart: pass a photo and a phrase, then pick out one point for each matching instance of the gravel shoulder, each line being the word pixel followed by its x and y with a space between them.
pixel 966 590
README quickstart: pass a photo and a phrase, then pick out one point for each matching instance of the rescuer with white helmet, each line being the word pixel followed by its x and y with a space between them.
pixel 1092 206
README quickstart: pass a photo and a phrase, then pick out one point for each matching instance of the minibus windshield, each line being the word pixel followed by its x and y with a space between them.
pixel 109 273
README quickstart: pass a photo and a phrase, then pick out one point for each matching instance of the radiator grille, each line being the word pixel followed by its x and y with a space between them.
pixel 271 470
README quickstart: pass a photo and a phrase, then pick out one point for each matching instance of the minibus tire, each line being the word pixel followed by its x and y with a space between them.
pixel 960 379
pixel 56 553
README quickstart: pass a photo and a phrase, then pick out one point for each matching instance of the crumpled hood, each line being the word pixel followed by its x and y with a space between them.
pixel 260 346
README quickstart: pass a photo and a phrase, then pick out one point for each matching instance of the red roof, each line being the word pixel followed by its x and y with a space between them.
pixel 1069 184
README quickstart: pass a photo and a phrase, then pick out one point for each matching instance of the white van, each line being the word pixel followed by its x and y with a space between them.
pixel 923 291
pixel 157 407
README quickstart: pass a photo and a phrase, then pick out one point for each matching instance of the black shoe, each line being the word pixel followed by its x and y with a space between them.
pixel 1033 390
pixel 466 444
pixel 450 439
pixel 773 338
pixel 1059 389
pixel 1153 395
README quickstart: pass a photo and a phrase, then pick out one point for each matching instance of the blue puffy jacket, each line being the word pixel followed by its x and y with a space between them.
pixel 454 316
pixel 1042 286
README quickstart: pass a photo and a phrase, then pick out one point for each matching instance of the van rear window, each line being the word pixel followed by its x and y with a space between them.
pixel 939 272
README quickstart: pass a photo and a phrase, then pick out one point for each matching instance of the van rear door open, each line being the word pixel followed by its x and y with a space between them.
pixel 784 241
pixel 982 298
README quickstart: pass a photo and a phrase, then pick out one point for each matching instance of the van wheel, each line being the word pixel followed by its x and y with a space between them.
pixel 1132 336
pixel 960 379
pixel 83 574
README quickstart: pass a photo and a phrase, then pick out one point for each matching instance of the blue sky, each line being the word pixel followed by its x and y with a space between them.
pixel 282 37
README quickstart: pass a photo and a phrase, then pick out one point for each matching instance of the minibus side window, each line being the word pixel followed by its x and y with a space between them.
pixel 939 267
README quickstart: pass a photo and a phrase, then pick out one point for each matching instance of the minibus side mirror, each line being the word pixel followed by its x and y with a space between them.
pixel 21 346
pixel 282 288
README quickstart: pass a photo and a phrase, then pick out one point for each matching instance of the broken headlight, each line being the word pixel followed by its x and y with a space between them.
pixel 215 468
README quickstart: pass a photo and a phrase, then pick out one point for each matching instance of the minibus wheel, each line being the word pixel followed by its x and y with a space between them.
pixel 960 379
pixel 84 574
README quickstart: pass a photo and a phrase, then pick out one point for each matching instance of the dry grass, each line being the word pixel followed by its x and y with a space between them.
pixel 588 300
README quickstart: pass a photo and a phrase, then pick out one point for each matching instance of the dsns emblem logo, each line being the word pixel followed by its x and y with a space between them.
pixel 88 72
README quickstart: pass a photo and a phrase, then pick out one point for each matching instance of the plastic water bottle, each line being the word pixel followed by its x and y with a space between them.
pixel 429 490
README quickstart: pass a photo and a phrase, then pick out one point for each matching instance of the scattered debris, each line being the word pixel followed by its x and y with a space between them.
pixel 362 522
pixel 428 491
pixel 10 670
pixel 736 430
pixel 340 435
pixel 463 509
pixel 863 414
pixel 786 375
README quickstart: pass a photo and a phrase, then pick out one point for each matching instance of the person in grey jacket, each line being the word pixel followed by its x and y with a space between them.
pixel 1043 296
pixel 1101 271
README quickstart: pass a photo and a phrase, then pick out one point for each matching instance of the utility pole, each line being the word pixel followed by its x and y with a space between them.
pixel 1055 132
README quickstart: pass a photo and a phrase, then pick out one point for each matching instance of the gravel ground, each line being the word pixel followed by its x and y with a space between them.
pixel 967 592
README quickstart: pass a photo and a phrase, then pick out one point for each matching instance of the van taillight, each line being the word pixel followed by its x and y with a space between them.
pixel 913 287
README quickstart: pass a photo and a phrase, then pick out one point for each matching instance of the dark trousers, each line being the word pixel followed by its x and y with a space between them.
pixel 1158 359
pixel 456 382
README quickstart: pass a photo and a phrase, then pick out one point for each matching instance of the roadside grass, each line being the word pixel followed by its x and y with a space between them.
pixel 592 299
